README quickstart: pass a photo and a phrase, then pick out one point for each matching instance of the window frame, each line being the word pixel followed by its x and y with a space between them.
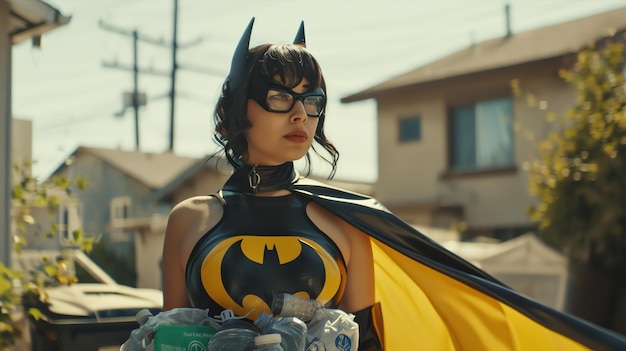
pixel 124 203
pixel 452 169
pixel 416 117
pixel 62 222
pixel 120 202
pixel 67 220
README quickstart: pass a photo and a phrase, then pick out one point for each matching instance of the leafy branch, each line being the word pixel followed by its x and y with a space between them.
pixel 18 288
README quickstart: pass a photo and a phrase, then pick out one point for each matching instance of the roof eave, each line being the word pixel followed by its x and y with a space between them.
pixel 384 88
pixel 192 170
pixel 360 96
pixel 36 18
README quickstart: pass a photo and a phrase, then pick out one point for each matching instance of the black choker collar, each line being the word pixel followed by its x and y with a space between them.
pixel 261 179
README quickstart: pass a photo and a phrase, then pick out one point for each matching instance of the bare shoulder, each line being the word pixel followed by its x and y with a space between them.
pixel 192 218
pixel 187 222
pixel 196 206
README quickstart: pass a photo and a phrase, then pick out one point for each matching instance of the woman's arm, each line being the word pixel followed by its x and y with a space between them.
pixel 359 292
pixel 359 296
pixel 173 272
pixel 188 222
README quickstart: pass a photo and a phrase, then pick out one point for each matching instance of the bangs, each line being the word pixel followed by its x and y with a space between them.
pixel 287 65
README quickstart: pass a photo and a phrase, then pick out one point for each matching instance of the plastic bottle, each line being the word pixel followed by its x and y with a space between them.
pixel 140 339
pixel 268 342
pixel 143 315
pixel 235 334
pixel 287 305
pixel 292 330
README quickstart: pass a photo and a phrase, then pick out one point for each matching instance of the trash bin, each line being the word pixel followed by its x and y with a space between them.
pixel 71 325
pixel 71 335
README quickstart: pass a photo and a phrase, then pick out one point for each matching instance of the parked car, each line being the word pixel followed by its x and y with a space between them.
pixel 94 314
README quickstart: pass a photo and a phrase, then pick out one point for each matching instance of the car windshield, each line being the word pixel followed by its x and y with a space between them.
pixel 83 276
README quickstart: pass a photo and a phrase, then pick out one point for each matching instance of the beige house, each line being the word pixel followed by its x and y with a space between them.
pixel 453 139
pixel 126 202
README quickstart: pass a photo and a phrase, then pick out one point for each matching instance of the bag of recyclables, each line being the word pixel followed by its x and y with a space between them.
pixel 141 339
pixel 332 330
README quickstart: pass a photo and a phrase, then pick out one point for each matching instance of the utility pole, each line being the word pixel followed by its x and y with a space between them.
pixel 136 88
pixel 173 79
pixel 136 99
pixel 139 99
pixel 175 67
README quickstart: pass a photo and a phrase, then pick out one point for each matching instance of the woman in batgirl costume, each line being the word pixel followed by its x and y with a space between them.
pixel 270 230
pixel 257 237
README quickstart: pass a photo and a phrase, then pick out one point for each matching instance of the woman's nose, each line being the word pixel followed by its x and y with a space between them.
pixel 298 113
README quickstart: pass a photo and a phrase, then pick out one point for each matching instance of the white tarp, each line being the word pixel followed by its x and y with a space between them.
pixel 525 263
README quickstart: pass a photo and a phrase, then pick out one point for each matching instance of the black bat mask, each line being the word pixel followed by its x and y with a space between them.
pixel 239 63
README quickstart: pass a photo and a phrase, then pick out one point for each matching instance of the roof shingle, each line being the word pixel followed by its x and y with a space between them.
pixel 539 44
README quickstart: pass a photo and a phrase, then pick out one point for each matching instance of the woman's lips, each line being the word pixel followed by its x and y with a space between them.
pixel 297 136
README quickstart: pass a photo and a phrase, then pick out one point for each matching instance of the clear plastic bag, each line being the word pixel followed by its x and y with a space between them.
pixel 332 330
pixel 292 330
pixel 140 339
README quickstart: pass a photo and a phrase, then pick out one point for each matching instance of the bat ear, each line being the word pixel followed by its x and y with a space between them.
pixel 239 62
pixel 300 39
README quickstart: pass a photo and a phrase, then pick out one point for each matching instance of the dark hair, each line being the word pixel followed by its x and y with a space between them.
pixel 283 64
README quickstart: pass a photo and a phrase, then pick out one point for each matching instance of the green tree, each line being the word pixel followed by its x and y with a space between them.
pixel 27 194
pixel 579 180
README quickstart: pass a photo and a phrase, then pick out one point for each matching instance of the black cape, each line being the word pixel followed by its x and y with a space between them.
pixel 432 299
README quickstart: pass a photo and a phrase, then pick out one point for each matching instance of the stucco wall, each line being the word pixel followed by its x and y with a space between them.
pixel 204 182
pixel 409 171
pixel 148 258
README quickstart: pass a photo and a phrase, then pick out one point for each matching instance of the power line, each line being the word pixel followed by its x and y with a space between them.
pixel 174 45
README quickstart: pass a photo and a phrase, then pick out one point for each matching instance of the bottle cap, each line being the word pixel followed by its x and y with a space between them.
pixel 231 321
pixel 267 339
pixel 227 314
pixel 143 315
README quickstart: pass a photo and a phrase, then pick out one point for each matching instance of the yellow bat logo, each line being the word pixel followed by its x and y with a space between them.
pixel 261 265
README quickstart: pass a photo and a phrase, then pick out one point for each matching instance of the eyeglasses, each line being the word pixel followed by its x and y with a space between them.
pixel 276 98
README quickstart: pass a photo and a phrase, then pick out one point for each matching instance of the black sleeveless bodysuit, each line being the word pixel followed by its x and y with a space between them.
pixel 261 246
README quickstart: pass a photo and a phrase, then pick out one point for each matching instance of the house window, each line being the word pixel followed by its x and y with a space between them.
pixel 482 135
pixel 410 129
pixel 119 208
pixel 120 211
pixel 67 221
pixel 63 223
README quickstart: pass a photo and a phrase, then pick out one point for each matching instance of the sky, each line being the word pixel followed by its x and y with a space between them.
pixel 73 99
